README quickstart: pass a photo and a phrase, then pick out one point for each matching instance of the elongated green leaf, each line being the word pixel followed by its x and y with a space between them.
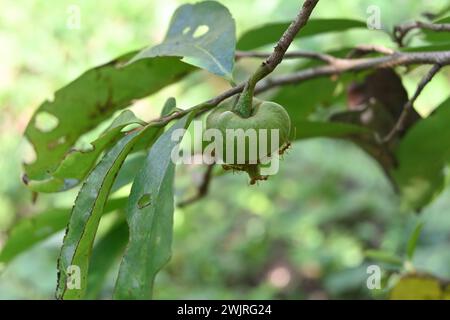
pixel 414 238
pixel 433 47
pixel 437 37
pixel 212 50
pixel 87 211
pixel 271 33
pixel 32 230
pixel 384 256
pixel 129 170
pixel 422 157
pixel 77 164
pixel 89 100
pixel 106 252
pixel 311 129
pixel 150 219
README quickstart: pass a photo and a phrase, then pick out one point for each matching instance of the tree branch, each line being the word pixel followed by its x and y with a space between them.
pixel 286 39
pixel 399 126
pixel 339 66
pixel 288 55
pixel 362 50
pixel 401 31
pixel 202 189
pixel 345 65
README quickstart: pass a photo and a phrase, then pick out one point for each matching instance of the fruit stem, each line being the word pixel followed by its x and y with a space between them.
pixel 244 105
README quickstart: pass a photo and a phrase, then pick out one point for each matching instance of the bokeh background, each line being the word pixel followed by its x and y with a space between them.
pixel 302 235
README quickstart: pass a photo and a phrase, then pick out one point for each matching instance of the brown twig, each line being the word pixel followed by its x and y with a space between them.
pixel 288 55
pixel 363 49
pixel 202 189
pixel 286 39
pixel 401 31
pixel 398 127
pixel 269 65
pixel 340 66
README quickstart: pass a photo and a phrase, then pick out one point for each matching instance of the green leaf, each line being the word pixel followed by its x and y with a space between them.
pixel 437 37
pixel 303 99
pixel 434 47
pixel 414 238
pixel 77 164
pixel 89 100
pixel 150 219
pixel 129 170
pixel 384 256
pixel 313 129
pixel 87 211
pixel 169 107
pixel 29 231
pixel 213 50
pixel 422 157
pixel 106 252
pixel 271 33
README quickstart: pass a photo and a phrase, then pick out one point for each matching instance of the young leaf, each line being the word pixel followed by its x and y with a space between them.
pixel 270 33
pixel 106 252
pixel 384 256
pixel 77 164
pixel 89 100
pixel 150 219
pixel 203 34
pixel 30 231
pixel 87 211
pixel 412 242
pixel 422 156
pixel 169 107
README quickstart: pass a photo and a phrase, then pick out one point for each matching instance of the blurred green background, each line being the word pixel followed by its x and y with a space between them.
pixel 302 235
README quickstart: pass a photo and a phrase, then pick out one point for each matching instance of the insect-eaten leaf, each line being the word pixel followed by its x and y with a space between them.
pixel 150 218
pixel 76 165
pixel 88 101
pixel 204 34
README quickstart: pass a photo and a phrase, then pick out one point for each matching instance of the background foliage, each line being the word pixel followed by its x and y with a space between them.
pixel 302 235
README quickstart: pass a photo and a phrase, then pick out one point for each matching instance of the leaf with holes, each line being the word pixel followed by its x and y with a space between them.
pixel 150 218
pixel 423 155
pixel 30 231
pixel 87 211
pixel 271 33
pixel 77 164
pixel 203 34
pixel 91 99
